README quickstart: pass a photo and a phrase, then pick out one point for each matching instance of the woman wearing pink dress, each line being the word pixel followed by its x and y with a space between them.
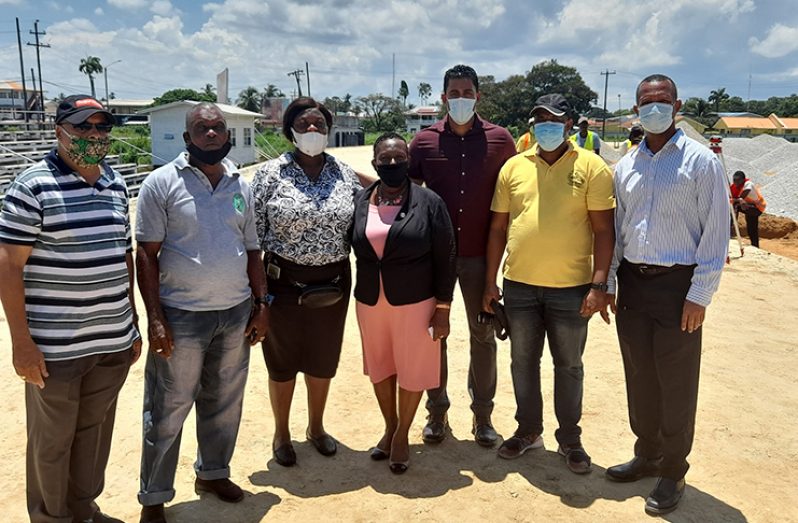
pixel 404 243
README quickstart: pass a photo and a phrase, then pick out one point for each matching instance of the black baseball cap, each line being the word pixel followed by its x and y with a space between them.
pixel 78 108
pixel 556 104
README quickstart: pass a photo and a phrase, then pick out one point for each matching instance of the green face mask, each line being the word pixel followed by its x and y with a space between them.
pixel 87 152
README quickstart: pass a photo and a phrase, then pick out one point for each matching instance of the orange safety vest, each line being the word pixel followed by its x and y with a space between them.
pixel 761 204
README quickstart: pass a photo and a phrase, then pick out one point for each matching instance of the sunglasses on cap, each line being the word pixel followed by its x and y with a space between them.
pixel 86 127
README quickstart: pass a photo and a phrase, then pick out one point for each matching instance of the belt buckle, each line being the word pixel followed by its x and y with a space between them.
pixel 643 268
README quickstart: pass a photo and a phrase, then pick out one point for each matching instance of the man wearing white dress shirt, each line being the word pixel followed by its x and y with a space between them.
pixel 672 235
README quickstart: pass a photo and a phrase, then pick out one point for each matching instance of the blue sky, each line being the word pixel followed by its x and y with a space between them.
pixel 163 44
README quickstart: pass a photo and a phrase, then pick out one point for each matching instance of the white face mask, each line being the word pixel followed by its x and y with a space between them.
pixel 656 117
pixel 461 110
pixel 311 143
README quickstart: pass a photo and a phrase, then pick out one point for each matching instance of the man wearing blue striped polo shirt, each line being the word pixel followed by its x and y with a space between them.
pixel 67 272
pixel 672 236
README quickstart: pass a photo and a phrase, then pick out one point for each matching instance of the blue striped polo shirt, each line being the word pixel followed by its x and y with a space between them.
pixel 76 278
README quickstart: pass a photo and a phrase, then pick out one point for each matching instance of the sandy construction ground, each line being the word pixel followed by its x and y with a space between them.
pixel 742 460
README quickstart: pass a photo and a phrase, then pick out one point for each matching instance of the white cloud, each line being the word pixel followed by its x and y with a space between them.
pixel 10 2
pixel 780 41
pixel 163 8
pixel 128 4
pixel 99 11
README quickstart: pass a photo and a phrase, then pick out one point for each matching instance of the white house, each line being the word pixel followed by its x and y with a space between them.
pixel 421 118
pixel 168 122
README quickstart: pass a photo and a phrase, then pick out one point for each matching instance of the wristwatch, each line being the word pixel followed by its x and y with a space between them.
pixel 603 287
pixel 265 300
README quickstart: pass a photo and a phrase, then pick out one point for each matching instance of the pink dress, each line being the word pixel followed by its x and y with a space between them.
pixel 396 339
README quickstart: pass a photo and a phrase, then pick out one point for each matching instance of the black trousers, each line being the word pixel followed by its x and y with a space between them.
pixel 661 362
pixel 752 215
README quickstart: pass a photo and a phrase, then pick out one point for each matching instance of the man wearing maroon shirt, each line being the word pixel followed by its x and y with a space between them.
pixel 459 158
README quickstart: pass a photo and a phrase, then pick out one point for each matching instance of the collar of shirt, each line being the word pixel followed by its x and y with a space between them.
pixel 677 140
pixel 230 169
pixel 57 164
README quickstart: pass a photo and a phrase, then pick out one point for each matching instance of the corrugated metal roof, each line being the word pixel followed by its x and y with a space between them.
pixel 744 122
pixel 226 109
pixel 9 85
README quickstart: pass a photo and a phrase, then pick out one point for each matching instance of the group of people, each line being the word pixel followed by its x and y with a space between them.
pixel 223 265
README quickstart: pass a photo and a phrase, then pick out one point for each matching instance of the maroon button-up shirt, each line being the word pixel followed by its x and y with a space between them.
pixel 463 171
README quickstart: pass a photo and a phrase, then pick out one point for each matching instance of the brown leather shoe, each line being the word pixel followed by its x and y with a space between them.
pixel 152 514
pixel 224 489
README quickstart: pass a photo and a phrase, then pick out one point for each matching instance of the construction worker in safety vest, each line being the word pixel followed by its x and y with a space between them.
pixel 527 139
pixel 585 138
pixel 636 135
pixel 746 198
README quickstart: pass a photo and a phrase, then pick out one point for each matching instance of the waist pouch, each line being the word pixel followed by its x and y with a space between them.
pixel 320 295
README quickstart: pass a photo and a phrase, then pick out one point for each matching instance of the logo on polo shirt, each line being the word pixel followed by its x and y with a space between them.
pixel 239 204
pixel 576 180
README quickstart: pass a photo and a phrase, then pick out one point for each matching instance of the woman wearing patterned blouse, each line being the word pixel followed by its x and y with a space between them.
pixel 304 207
pixel 404 243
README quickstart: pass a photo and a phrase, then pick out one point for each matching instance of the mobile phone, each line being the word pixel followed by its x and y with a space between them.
pixel 431 333
pixel 273 271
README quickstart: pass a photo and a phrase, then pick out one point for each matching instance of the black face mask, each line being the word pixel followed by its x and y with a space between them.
pixel 211 157
pixel 393 174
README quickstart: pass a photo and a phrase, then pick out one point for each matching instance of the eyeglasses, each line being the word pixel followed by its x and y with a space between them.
pixel 86 127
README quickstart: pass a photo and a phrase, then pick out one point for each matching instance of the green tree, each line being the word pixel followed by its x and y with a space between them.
pixel 404 91
pixel 209 90
pixel 272 91
pixel 424 92
pixel 249 99
pixel 90 66
pixel 383 113
pixel 718 97
pixel 177 95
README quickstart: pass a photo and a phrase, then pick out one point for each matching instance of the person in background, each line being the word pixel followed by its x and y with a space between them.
pixel 746 198
pixel 304 204
pixel 672 238
pixel 527 140
pixel 635 137
pixel 459 158
pixel 585 138
pixel 202 282
pixel 66 273
pixel 404 243
pixel 553 211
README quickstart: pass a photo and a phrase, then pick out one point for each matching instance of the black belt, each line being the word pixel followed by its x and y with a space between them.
pixel 646 269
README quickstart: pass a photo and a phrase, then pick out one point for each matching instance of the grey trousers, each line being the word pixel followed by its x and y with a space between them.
pixel 70 423
pixel 482 369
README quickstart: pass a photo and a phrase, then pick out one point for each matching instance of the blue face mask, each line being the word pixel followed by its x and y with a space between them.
pixel 656 118
pixel 549 135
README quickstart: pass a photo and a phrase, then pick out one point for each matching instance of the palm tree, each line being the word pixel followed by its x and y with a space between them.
pixel 272 91
pixel 404 91
pixel 90 66
pixel 424 91
pixel 249 99
pixel 718 97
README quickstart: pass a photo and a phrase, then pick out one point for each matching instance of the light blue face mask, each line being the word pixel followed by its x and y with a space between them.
pixel 549 135
pixel 461 109
pixel 656 117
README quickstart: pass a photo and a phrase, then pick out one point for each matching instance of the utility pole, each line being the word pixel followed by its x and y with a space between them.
pixel 33 76
pixel 606 74
pixel 105 74
pixel 39 61
pixel 296 74
pixel 393 75
pixel 307 76
pixel 22 72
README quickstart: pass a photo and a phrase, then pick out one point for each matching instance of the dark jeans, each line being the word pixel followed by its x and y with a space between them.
pixel 752 215
pixel 208 366
pixel 536 313
pixel 662 364
pixel 70 423
pixel 482 369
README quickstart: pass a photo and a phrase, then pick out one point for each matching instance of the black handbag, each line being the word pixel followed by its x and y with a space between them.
pixel 320 295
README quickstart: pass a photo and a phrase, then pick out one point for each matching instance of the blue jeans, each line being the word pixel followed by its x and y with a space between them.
pixel 208 366
pixel 536 313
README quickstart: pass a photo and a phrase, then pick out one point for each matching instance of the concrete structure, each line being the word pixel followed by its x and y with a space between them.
pixel 346 131
pixel 421 117
pixel 168 122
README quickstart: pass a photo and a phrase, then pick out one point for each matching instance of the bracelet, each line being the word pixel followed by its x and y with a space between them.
pixel 443 306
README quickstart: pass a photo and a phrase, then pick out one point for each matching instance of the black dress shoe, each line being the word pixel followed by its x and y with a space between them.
pixel 638 468
pixel 99 517
pixel 224 489
pixel 484 434
pixel 325 444
pixel 377 454
pixel 152 514
pixel 665 496
pixel 284 455
pixel 435 429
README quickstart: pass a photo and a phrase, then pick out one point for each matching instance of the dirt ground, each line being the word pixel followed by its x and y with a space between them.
pixel 742 460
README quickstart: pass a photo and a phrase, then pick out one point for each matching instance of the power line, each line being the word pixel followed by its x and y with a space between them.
pixel 296 74
pixel 38 46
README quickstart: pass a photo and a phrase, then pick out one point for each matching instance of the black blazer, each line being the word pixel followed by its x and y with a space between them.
pixel 419 258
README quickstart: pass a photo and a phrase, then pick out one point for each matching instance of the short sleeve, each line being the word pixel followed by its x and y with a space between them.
pixel 600 191
pixel 151 218
pixel 21 217
pixel 501 194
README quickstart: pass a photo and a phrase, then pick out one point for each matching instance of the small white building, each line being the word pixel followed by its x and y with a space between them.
pixel 421 117
pixel 168 123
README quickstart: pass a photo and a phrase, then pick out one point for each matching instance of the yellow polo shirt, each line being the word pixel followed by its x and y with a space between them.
pixel 549 238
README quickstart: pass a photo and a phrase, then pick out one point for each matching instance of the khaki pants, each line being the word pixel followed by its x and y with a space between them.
pixel 70 423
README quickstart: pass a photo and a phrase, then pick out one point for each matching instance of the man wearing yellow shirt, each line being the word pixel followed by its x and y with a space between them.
pixel 553 211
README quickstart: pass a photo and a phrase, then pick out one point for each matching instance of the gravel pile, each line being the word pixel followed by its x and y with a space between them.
pixel 690 131
pixel 770 162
